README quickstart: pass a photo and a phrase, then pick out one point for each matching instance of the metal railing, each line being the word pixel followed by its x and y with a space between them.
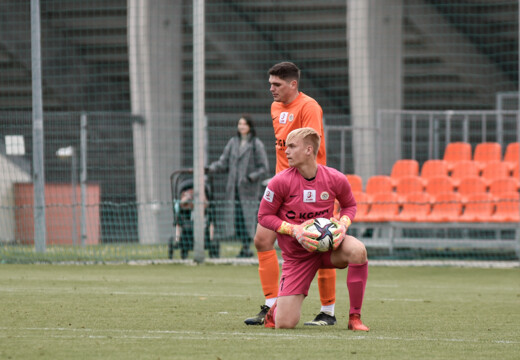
pixel 426 133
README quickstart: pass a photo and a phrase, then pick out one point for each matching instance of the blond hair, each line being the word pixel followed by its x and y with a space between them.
pixel 309 137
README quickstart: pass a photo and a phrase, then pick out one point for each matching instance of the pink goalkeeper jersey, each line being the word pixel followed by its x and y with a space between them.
pixel 290 197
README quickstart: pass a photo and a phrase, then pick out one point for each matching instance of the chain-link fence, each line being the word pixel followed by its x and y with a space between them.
pixel 117 85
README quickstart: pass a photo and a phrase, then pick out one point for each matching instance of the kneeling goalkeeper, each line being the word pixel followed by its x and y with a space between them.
pixel 292 199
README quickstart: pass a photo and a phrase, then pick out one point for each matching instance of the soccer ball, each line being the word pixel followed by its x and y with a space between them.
pixel 323 228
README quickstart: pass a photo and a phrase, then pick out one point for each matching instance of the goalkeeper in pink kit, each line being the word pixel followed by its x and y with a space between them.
pixel 292 199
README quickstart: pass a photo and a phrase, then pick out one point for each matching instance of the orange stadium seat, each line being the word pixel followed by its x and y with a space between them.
pixel 409 184
pixel 503 185
pixel 378 183
pixel 433 168
pixel 456 151
pixel 471 185
pixel 495 170
pixel 384 207
pixel 337 208
pixel 463 169
pixel 512 155
pixel 439 184
pixel 446 207
pixel 363 205
pixel 507 207
pixel 478 207
pixel 356 182
pixel 416 206
pixel 486 152
pixel 402 168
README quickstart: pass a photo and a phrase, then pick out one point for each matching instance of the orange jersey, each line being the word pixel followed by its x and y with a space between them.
pixel 304 111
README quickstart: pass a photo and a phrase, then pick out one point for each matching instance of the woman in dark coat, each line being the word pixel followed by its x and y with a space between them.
pixel 245 160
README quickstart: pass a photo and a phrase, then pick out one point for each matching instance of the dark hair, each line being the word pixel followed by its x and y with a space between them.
pixel 250 123
pixel 286 71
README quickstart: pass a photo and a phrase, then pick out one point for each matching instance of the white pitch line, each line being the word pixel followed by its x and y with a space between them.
pixel 403 300
pixel 78 291
pixel 199 335
pixel 109 292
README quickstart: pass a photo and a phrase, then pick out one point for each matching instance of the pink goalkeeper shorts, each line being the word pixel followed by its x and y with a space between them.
pixel 297 275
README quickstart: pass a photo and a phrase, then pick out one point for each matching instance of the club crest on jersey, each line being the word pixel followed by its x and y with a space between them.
pixel 309 196
pixel 283 117
pixel 268 195
pixel 291 117
pixel 324 195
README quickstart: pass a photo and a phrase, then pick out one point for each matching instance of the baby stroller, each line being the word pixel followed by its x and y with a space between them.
pixel 181 182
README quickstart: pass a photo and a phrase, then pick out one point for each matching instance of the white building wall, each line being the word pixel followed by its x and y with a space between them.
pixel 9 175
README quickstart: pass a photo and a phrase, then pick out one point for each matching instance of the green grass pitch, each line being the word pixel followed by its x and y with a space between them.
pixel 176 311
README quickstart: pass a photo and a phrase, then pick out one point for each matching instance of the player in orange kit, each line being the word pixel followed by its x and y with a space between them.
pixel 290 110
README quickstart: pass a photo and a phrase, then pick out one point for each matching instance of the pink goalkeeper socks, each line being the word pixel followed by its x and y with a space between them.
pixel 356 281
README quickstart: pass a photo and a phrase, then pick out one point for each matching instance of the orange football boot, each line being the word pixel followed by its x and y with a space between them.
pixel 269 317
pixel 355 324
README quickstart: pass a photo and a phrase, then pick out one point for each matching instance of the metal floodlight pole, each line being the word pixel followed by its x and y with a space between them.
pixel 74 185
pixel 70 152
pixel 198 129
pixel 40 232
pixel 518 131
pixel 83 178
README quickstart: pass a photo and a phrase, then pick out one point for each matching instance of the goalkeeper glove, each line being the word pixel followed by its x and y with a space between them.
pixel 341 230
pixel 300 232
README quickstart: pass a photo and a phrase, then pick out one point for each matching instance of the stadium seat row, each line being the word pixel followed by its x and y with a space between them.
pixel 457 188
pixel 457 164
pixel 434 185
pixel 442 207
pixel 484 153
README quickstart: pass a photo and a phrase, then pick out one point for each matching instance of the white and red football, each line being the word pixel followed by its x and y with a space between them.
pixel 323 227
